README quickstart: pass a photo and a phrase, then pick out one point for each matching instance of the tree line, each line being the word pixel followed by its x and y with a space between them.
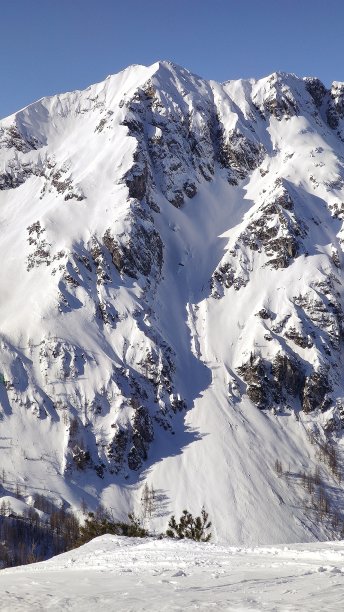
pixel 44 530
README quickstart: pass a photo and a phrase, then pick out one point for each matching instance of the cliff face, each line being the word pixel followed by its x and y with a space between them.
pixel 171 287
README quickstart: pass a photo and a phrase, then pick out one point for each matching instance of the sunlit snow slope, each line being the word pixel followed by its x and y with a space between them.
pixel 172 299
pixel 129 574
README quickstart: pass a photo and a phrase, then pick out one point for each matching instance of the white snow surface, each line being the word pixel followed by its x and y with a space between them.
pixel 127 574
pixel 84 344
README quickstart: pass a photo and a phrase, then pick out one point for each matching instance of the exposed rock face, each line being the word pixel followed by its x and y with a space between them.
pixel 131 445
pixel 255 374
pixel 225 277
pixel 337 95
pixel 142 254
pixel 169 148
pixel 287 375
pixel 264 314
pixel 276 230
pixel 279 99
pixel 299 338
pixel 319 322
pixel 16 174
pixel 273 229
pixel 317 90
pixel 239 154
pixel 12 138
pixel 81 457
pixel 270 384
pixel 323 310
pixel 136 182
pixel 315 392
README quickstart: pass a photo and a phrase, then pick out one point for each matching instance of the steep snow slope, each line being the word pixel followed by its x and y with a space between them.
pixel 172 299
pixel 159 575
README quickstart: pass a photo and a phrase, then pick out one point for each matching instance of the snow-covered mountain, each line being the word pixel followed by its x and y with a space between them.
pixel 172 300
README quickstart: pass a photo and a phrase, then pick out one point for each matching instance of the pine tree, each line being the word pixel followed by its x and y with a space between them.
pixel 101 524
pixel 148 501
pixel 278 467
pixel 193 528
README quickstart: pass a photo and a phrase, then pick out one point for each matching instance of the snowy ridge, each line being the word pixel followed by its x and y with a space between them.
pixel 172 298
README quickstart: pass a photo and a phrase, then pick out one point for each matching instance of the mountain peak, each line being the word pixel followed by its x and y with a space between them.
pixel 171 304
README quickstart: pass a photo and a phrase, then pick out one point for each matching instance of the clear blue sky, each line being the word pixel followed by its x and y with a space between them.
pixel 50 46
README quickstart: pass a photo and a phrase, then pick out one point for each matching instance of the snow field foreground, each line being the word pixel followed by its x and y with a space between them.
pixel 124 574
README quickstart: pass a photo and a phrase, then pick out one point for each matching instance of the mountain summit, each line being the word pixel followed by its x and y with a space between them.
pixel 172 299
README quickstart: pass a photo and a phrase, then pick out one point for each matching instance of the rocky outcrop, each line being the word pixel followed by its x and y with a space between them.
pixel 225 277
pixel 12 138
pixel 238 154
pixel 270 384
pixel 299 338
pixel 288 377
pixel 81 457
pixel 16 174
pixel 279 99
pixel 264 313
pixel 273 229
pixel 337 95
pixel 255 373
pixel 129 445
pixel 315 392
pixel 322 310
pixel 335 107
pixel 142 253
pixel 164 135
pixel 317 90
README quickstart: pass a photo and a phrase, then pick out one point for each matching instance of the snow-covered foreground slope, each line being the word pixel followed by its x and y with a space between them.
pixel 172 301
pixel 112 573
